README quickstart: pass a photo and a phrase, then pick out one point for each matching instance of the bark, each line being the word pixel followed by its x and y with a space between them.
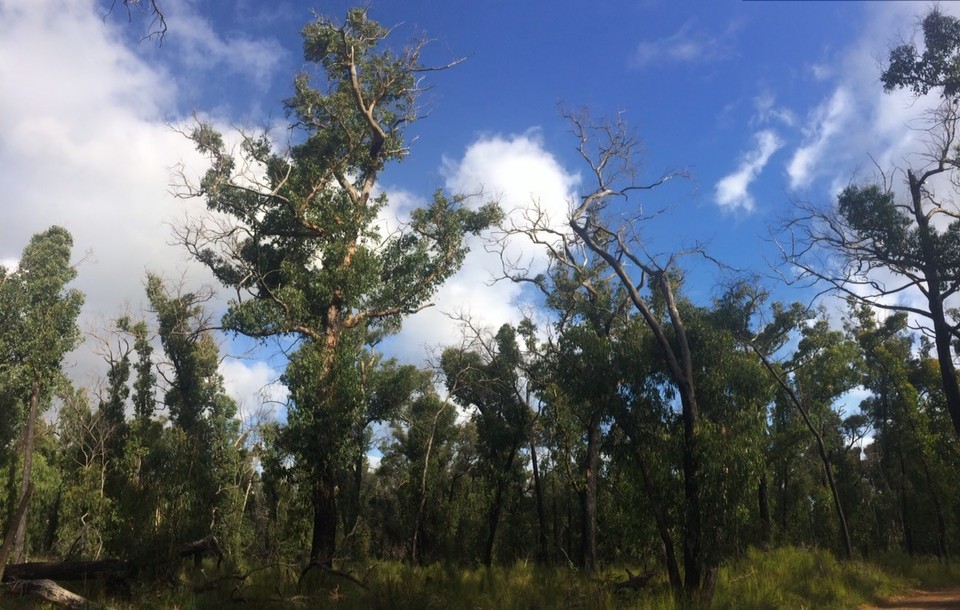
pixel 324 542
pixel 20 538
pixel 588 539
pixel 693 560
pixel 414 550
pixel 205 547
pixel 635 582
pixel 493 521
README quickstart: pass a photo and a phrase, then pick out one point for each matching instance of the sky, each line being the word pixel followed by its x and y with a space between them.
pixel 761 104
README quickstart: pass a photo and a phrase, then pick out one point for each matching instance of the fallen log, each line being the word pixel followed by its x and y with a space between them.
pixel 635 582
pixel 50 591
pixel 106 569
pixel 205 547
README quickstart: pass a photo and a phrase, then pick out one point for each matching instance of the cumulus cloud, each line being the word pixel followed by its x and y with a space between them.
pixel 86 146
pixel 255 386
pixel 689 44
pixel 522 175
pixel 731 192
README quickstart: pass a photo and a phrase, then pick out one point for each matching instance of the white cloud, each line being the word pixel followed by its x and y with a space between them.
pixel 203 48
pixel 731 192
pixel 86 145
pixel 519 173
pixel 687 45
pixel 255 386
pixel 768 111
pixel 821 72
pixel 826 121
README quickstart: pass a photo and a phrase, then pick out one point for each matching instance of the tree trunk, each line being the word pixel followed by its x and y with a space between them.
pixel 69 570
pixel 763 499
pixel 941 329
pixel 20 538
pixel 588 540
pixel 847 547
pixel 493 522
pixel 414 556
pixel 660 518
pixel 693 560
pixel 11 528
pixel 324 543
pixel 542 552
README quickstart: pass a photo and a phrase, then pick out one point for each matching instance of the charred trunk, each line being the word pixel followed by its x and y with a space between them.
pixel 324 543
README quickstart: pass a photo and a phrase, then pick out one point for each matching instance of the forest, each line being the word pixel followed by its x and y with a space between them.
pixel 629 446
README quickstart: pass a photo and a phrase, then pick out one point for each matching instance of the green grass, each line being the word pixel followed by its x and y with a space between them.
pixel 782 578
pixel 804 578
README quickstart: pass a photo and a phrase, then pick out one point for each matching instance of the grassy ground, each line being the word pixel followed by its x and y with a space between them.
pixel 782 578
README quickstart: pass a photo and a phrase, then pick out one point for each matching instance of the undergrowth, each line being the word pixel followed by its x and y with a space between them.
pixel 781 578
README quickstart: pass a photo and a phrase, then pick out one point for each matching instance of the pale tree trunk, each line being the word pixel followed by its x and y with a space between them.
pixel 542 552
pixel 414 557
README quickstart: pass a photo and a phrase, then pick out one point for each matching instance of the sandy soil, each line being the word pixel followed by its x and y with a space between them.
pixel 927 600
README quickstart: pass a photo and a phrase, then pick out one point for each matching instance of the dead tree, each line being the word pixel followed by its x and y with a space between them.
pixel 609 150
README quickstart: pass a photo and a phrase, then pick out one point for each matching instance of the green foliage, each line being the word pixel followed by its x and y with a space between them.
pixel 37 324
pixel 311 257
pixel 939 64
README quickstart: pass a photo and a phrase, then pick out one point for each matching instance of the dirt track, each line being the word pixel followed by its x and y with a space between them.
pixel 927 600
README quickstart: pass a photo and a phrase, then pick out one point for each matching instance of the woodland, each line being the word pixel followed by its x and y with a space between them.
pixel 638 430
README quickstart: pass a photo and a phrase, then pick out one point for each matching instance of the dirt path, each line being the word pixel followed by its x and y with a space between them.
pixel 927 600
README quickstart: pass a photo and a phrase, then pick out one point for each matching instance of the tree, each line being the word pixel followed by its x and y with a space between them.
pixel 824 366
pixel 486 378
pixel 150 8
pixel 936 68
pixel 577 376
pixel 299 240
pixel 38 322
pixel 882 250
pixel 903 453
pixel 612 167
pixel 205 430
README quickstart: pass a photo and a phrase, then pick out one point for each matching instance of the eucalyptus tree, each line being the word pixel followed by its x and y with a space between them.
pixel 900 253
pixel 203 437
pixel 298 236
pixel 38 326
pixel 823 367
pixel 904 453
pixel 576 375
pixel 486 378
pixel 608 150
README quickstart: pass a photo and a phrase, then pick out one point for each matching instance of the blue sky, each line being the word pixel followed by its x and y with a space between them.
pixel 762 102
